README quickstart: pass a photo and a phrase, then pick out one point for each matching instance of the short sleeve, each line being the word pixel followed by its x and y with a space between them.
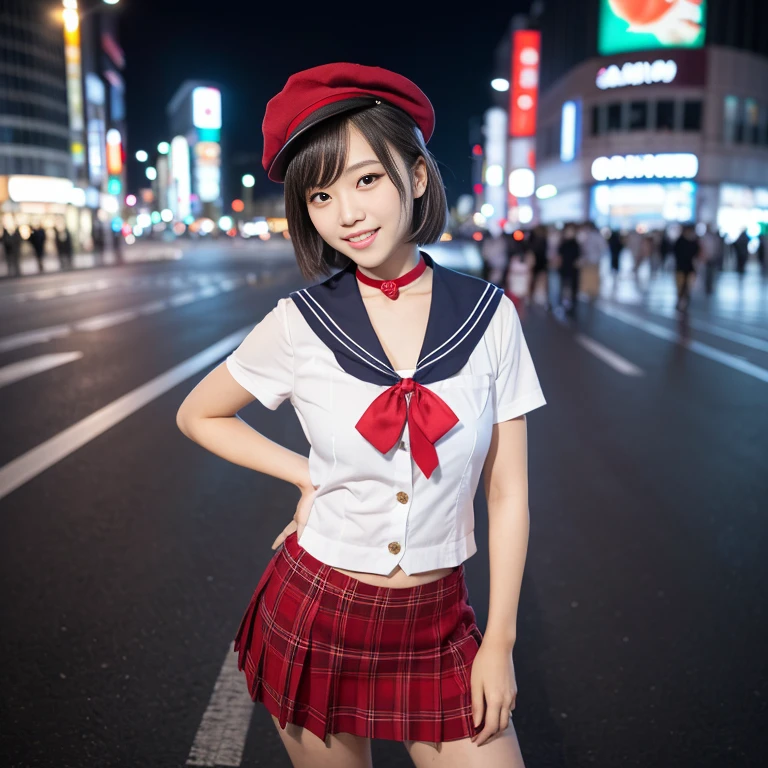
pixel 517 389
pixel 263 363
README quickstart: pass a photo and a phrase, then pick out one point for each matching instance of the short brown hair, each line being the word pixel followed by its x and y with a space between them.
pixel 320 159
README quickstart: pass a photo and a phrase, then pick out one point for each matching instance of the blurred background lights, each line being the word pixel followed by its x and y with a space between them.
pixel 500 84
pixel 142 156
pixel 487 210
pixel 546 191
pixel 225 222
pixel 248 180
pixel 525 214
pixel 521 182
pixel 144 220
pixel 163 147
pixel 494 175
pixel 151 173
pixel 166 214
pixel 130 200
pixel 479 220
pixel 155 217
pixel 207 226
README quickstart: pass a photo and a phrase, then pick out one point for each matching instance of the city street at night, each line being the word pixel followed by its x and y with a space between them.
pixel 465 311
pixel 129 553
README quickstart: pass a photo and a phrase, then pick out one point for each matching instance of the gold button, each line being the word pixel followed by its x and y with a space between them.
pixel 402 497
pixel 394 547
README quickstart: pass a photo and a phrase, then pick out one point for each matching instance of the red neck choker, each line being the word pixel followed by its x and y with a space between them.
pixel 392 287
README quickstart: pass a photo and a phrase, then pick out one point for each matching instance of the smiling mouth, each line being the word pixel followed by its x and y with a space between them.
pixel 360 238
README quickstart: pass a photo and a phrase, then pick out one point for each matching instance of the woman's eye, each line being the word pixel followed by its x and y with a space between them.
pixel 371 177
pixel 321 197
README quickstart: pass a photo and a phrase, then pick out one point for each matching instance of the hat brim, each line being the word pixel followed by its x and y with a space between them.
pixel 283 157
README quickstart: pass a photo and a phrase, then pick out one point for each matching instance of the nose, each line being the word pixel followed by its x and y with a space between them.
pixel 349 211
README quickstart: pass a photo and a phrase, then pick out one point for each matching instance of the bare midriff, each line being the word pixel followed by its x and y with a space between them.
pixel 398 578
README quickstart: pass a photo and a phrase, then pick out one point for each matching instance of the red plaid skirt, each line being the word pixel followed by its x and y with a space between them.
pixel 332 654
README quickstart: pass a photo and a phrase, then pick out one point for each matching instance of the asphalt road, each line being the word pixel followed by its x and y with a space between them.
pixel 129 553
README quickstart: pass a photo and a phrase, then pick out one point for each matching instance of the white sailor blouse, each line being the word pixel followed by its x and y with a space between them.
pixel 397 454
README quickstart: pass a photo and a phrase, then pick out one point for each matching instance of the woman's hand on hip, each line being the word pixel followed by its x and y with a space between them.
pixel 300 517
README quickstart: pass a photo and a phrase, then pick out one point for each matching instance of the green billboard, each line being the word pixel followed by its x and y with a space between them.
pixel 636 25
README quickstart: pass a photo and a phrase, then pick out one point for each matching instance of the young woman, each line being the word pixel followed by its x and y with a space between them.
pixel 409 381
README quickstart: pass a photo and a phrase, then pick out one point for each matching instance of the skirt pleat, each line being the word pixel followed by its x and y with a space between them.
pixel 333 654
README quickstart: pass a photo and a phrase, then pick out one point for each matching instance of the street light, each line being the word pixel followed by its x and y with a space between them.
pixel 248 181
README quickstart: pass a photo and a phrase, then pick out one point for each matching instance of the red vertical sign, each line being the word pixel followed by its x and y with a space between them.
pixel 524 85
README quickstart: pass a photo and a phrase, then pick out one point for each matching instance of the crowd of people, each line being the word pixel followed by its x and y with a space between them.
pixel 37 238
pixel 522 262
pixel 12 240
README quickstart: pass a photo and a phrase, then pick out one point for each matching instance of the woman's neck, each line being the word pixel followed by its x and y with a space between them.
pixel 398 264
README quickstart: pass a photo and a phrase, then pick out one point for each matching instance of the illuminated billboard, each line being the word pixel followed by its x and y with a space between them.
pixel 206 107
pixel 524 85
pixel 632 25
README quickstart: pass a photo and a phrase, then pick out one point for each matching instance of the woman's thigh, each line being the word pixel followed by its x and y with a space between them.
pixel 305 750
pixel 500 751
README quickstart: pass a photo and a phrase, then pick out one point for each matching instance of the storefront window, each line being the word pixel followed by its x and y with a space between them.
pixel 752 121
pixel 596 110
pixel 614 117
pixel 665 116
pixel 638 115
pixel 730 118
pixel 692 115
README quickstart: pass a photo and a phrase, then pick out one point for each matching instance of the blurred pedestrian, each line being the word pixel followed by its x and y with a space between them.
pixel 64 247
pixel 634 243
pixel 538 248
pixel 741 249
pixel 569 253
pixel 98 241
pixel 616 246
pixel 666 247
pixel 687 251
pixel 37 239
pixel 711 255
pixel 12 262
pixel 593 250
pixel 117 246
pixel 494 253
pixel 12 245
pixel 518 275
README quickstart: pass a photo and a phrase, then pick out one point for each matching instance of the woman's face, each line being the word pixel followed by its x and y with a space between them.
pixel 360 215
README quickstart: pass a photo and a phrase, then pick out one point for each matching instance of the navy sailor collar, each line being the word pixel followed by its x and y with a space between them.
pixel 460 309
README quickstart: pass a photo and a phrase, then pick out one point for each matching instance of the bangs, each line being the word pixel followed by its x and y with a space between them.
pixel 321 161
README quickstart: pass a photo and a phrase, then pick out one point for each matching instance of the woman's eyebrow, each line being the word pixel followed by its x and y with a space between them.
pixel 356 166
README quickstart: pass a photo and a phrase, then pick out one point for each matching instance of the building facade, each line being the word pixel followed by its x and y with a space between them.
pixel 648 119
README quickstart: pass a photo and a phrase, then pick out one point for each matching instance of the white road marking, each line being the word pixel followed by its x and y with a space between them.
pixel 109 319
pixel 34 337
pixel 724 333
pixel 24 368
pixel 616 361
pixel 220 739
pixel 37 460
pixel 711 353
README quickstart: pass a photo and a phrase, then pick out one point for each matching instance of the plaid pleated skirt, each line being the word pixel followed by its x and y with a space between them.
pixel 333 654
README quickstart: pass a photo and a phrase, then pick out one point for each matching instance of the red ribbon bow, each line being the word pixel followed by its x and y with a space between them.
pixel 429 418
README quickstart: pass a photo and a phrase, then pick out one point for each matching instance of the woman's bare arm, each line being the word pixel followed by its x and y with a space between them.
pixel 208 416
pixel 505 476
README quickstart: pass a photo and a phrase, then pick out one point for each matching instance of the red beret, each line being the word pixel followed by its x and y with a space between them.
pixel 318 93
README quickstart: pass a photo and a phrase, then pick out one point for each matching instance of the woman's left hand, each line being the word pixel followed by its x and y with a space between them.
pixel 494 688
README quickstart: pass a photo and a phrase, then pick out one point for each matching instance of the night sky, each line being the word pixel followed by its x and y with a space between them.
pixel 251 52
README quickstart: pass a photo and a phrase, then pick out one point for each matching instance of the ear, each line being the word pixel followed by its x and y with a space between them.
pixel 419 175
